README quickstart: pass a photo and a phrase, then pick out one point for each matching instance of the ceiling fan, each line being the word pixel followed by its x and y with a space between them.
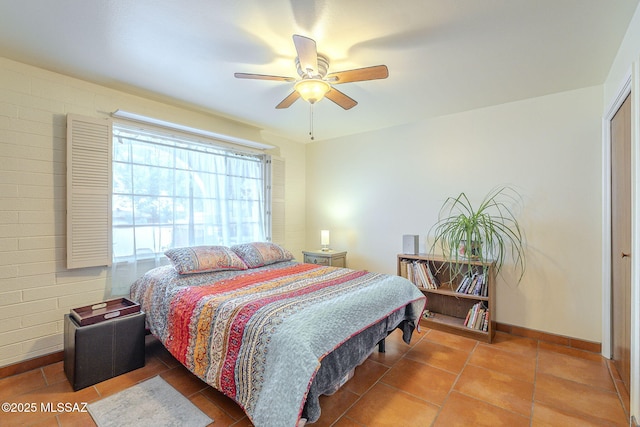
pixel 315 83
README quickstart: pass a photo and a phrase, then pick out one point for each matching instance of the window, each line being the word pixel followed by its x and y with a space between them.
pixel 172 191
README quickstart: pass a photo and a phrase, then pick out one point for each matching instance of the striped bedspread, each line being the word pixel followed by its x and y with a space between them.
pixel 259 335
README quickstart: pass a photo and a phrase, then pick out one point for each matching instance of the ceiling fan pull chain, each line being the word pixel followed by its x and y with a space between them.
pixel 311 121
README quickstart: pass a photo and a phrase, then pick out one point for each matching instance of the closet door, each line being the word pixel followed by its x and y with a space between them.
pixel 621 239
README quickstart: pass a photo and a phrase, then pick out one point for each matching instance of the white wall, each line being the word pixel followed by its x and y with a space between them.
pixel 370 189
pixel 36 289
pixel 295 194
pixel 628 52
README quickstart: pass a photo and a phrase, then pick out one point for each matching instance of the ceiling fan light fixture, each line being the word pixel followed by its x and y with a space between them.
pixel 312 90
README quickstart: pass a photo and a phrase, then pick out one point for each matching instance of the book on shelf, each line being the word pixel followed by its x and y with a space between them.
pixel 473 284
pixel 463 284
pixel 485 323
pixel 403 268
pixel 476 284
pixel 432 278
pixel 419 273
pixel 406 270
pixel 427 277
pixel 477 317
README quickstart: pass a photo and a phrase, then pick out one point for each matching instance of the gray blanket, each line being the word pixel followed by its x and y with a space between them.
pixel 337 364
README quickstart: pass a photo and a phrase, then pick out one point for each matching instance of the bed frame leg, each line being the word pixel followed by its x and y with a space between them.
pixel 381 348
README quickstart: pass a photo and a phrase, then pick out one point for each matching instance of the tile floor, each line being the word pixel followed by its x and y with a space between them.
pixel 439 380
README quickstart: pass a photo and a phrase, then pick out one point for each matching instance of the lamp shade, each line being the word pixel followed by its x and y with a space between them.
pixel 324 237
pixel 312 90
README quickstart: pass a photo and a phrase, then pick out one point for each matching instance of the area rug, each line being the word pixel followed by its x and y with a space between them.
pixel 150 403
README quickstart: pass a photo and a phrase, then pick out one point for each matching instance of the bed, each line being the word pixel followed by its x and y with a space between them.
pixel 269 332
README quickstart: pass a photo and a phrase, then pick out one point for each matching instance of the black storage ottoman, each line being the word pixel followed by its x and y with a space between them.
pixel 97 352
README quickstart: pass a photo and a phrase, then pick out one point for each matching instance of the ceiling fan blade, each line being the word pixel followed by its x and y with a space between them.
pixel 263 77
pixel 341 99
pixel 358 75
pixel 290 99
pixel 307 53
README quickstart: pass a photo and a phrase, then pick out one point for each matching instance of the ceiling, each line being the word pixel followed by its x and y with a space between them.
pixel 444 56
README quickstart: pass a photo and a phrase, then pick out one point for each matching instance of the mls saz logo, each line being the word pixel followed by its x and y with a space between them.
pixel 63 407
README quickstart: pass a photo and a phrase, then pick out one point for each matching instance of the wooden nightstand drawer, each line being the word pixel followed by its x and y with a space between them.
pixel 328 258
pixel 312 259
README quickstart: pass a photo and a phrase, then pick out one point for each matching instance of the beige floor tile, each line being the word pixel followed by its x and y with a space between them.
pixel 365 376
pixel 230 407
pixel 465 411
pixel 332 407
pixel 245 422
pixel 345 422
pixel 395 348
pixel 386 406
pixel 497 389
pixel 184 381
pixel 219 417
pixel 439 356
pixel 453 341
pixel 516 365
pixel 54 373
pixel 155 349
pixel 572 397
pixel 26 418
pixel 75 419
pixel 545 416
pixel 520 345
pixel 586 371
pixel 423 381
pixel 569 351
pixel 21 383
pixel 52 421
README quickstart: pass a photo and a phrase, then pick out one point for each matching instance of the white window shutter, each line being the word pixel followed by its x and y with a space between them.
pixel 89 238
pixel 277 201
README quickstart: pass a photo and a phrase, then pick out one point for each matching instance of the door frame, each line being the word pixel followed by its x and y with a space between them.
pixel 621 95
pixel 630 85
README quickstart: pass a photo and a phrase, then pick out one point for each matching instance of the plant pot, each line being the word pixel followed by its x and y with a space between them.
pixel 472 251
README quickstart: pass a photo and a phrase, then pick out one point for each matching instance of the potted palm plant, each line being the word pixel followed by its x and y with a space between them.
pixel 488 232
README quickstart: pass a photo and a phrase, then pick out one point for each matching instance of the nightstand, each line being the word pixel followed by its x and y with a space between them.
pixel 97 352
pixel 329 258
